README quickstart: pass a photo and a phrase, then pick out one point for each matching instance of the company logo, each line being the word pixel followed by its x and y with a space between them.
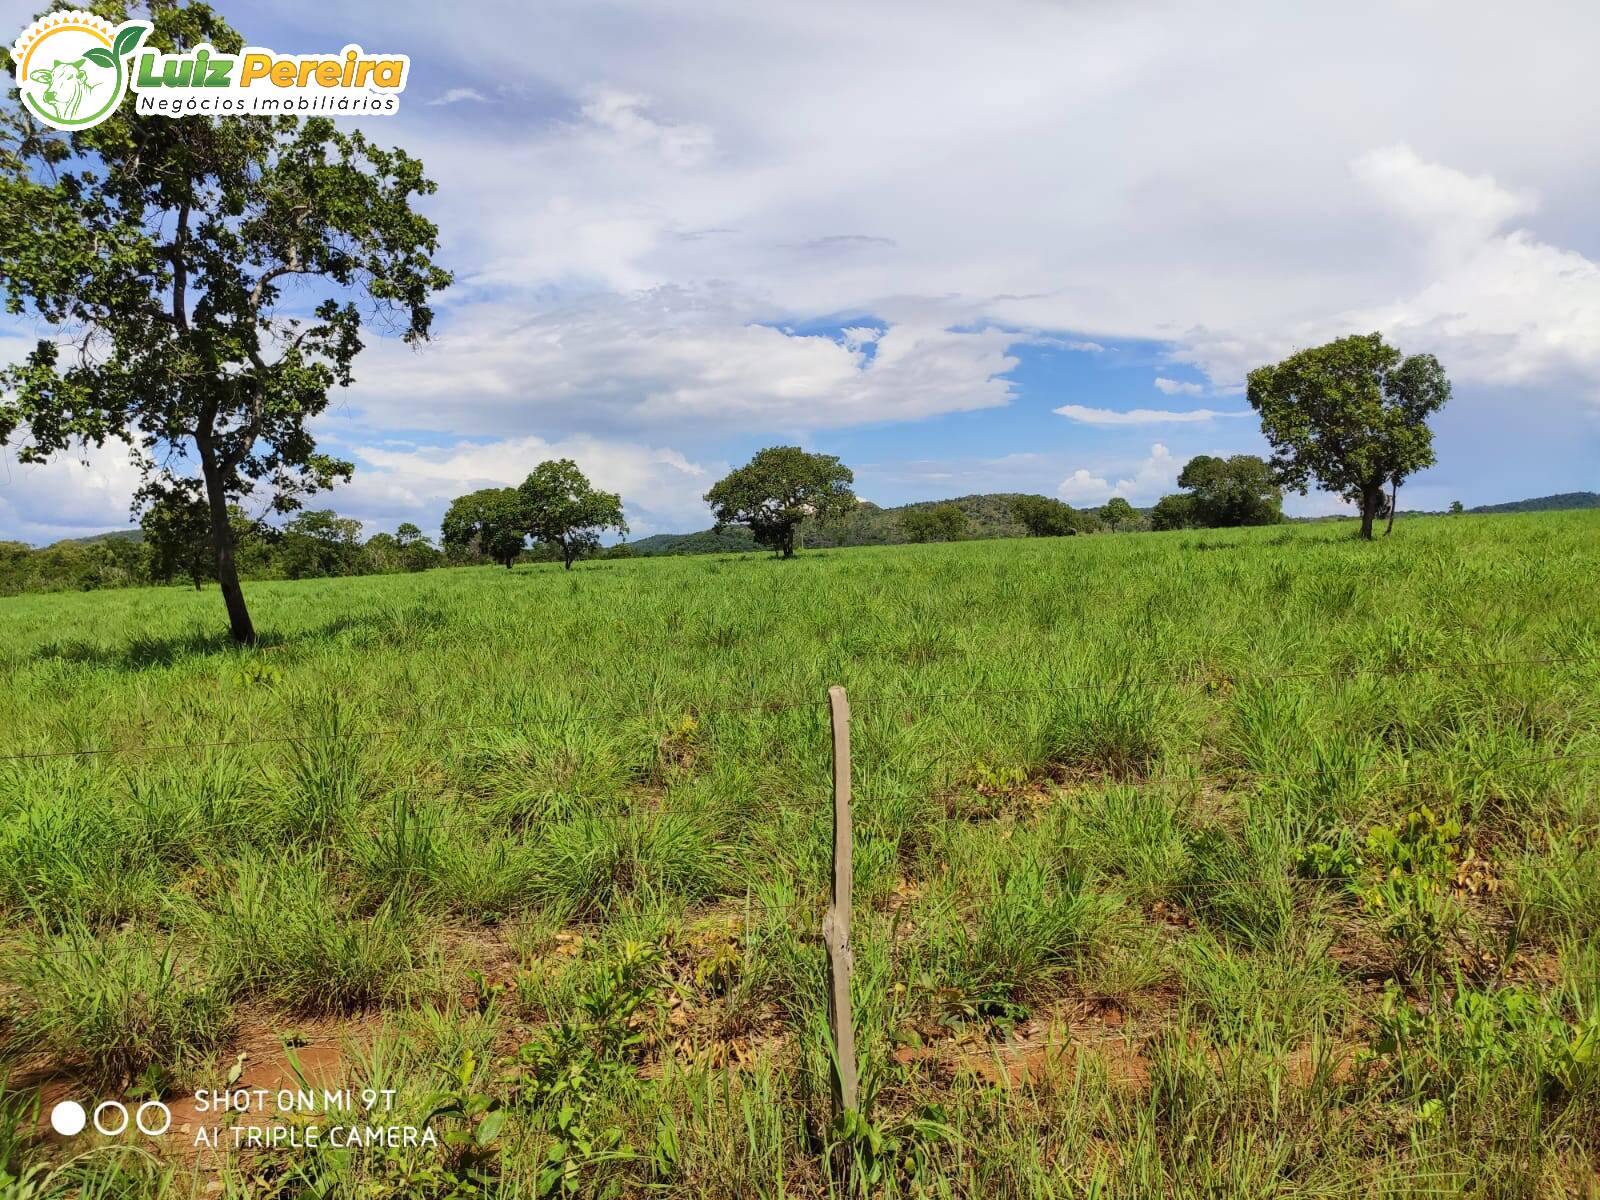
pixel 72 67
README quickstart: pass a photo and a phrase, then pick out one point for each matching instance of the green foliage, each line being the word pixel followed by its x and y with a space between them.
pixel 1351 415
pixel 1119 514
pixel 172 242
pixel 476 1121
pixel 1459 1042
pixel 177 532
pixel 567 1071
pixel 1043 517
pixel 1223 492
pixel 933 523
pixel 124 1008
pixel 562 509
pixel 486 525
pixel 778 489
pixel 901 1153
pixel 319 543
pixel 1176 511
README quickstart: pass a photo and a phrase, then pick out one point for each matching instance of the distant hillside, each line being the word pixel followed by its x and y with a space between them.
pixel 116 535
pixel 708 541
pixel 1561 500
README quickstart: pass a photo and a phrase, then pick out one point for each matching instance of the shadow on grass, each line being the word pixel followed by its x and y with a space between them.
pixel 145 653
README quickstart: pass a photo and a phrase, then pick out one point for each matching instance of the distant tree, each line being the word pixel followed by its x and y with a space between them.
pixel 177 530
pixel 407 533
pixel 1351 415
pixel 1173 512
pixel 1229 492
pixel 319 543
pixel 933 523
pixel 382 554
pixel 1118 513
pixel 486 524
pixel 1457 507
pixel 778 489
pixel 163 248
pixel 562 509
pixel 1042 516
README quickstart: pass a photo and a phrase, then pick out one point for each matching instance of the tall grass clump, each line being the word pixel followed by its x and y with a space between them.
pixel 281 929
pixel 124 1005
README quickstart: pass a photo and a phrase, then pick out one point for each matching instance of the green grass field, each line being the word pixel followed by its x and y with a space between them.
pixel 1186 864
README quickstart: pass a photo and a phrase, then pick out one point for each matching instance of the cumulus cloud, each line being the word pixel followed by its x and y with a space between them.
pixel 1174 387
pixel 73 495
pixel 661 488
pixel 1146 483
pixel 1081 487
pixel 1142 416
pixel 673 358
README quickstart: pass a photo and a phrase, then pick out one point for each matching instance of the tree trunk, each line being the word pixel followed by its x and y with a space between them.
pixel 1394 499
pixel 222 542
pixel 1371 501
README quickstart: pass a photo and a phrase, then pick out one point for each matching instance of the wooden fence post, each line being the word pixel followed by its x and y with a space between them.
pixel 836 923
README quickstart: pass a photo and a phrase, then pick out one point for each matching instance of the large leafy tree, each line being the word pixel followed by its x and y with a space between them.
pixel 563 510
pixel 205 279
pixel 1227 492
pixel 1043 516
pixel 485 524
pixel 934 523
pixel 1351 415
pixel 1119 514
pixel 778 489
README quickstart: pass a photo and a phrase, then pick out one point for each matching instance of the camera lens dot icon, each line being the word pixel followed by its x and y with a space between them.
pixel 68 1118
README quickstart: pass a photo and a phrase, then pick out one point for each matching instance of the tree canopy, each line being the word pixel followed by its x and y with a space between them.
pixel 934 523
pixel 1042 516
pixel 1351 416
pixel 206 277
pixel 778 489
pixel 486 524
pixel 1228 492
pixel 1175 511
pixel 562 509
pixel 1118 513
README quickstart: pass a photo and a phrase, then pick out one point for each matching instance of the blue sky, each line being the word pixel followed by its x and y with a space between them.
pixel 1017 246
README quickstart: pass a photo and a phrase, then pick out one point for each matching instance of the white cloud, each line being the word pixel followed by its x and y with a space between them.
pixel 73 495
pixel 677 359
pixel 1083 488
pixel 625 117
pixel 1174 387
pixel 1445 205
pixel 1149 480
pixel 1142 416
pixel 1498 306
pixel 457 95
pixel 661 488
